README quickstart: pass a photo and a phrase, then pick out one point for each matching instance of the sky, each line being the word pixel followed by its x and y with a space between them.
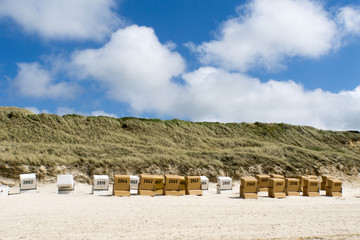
pixel 279 61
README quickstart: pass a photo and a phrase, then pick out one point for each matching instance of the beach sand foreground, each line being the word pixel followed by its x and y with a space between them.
pixel 47 215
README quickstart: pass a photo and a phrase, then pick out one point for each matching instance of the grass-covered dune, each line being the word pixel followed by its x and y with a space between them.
pixel 49 145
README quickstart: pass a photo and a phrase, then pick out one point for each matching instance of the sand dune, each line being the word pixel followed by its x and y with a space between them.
pixel 47 215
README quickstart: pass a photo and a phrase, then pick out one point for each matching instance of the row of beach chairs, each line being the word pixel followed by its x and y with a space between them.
pixel 277 186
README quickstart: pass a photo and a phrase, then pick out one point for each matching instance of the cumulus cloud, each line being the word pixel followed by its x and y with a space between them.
pixel 349 18
pixel 53 19
pixel 61 111
pixel 267 32
pixel 213 94
pixel 135 67
pixel 216 95
pixel 34 81
pixel 36 110
pixel 102 113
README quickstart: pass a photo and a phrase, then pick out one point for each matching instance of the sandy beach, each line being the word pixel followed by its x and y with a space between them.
pixel 47 215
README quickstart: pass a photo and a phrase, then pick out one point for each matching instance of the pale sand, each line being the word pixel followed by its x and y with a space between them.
pixel 47 215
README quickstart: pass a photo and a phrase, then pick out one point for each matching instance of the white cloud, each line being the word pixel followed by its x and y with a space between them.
pixel 36 110
pixel 102 113
pixel 61 111
pixel 33 109
pixel 135 67
pixel 52 19
pixel 34 81
pixel 349 18
pixel 267 32
pixel 212 94
pixel 216 95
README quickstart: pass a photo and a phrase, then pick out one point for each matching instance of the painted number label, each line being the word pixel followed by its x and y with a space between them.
pixel 133 182
pixel 250 184
pixel 173 181
pixel 101 182
pixel 279 184
pixel 148 181
pixel 226 183
pixel 293 183
pixel 122 181
pixel 28 182
pixel 264 180
pixel 194 180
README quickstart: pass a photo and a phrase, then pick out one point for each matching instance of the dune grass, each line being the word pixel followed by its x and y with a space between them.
pixel 49 145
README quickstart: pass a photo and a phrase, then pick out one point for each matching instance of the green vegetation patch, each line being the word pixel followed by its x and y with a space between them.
pixel 48 145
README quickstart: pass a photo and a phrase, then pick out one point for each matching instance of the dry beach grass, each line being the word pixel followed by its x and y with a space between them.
pixel 50 145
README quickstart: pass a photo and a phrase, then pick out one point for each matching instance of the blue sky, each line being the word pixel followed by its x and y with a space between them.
pixel 288 61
